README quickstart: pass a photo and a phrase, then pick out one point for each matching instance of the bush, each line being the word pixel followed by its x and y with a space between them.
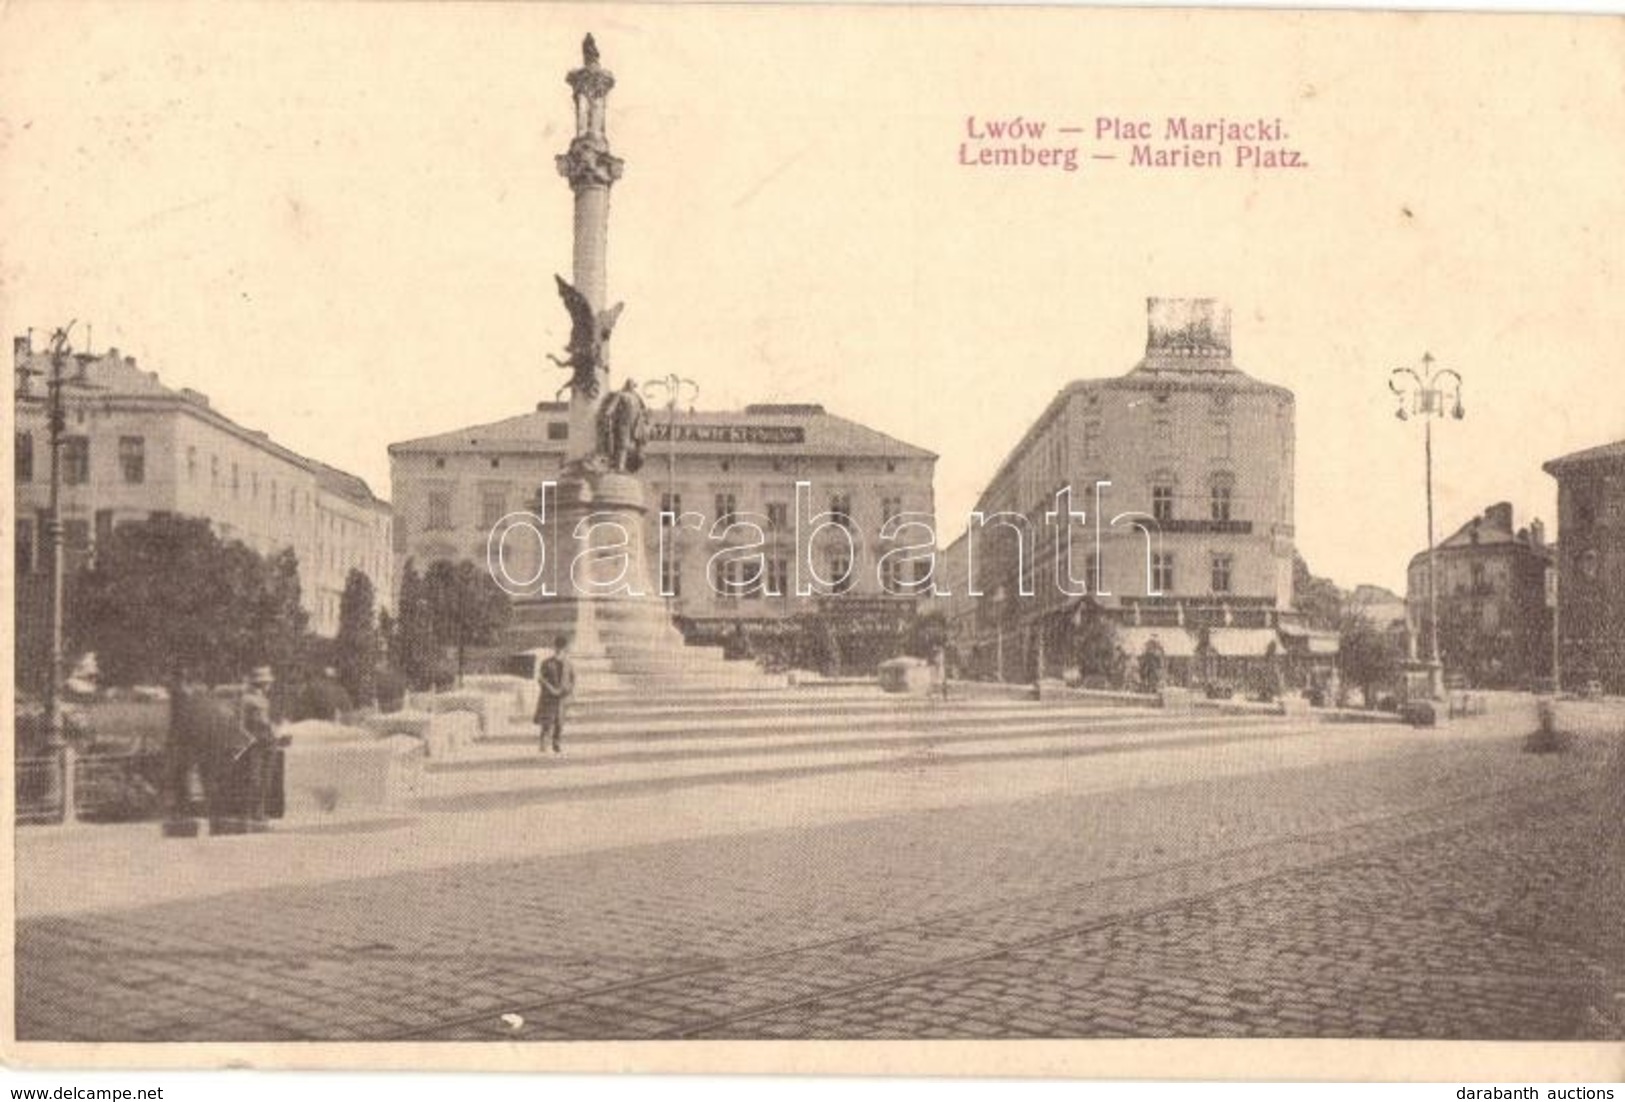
pixel 321 699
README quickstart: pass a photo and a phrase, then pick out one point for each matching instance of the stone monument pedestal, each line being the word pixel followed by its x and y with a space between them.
pixel 619 626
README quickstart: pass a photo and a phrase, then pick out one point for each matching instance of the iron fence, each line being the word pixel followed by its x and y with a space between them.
pixel 123 786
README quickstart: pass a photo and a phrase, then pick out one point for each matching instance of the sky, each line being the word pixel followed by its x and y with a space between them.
pixel 341 222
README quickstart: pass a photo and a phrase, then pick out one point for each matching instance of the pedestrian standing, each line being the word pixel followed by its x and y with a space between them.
pixel 558 683
pixel 242 765
pixel 939 670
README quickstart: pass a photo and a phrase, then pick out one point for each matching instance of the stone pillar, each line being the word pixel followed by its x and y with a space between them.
pixel 592 170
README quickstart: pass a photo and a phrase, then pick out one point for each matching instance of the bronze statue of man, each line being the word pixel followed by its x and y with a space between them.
pixel 623 429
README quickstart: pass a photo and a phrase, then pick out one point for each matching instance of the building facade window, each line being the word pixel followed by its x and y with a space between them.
pixel 25 457
pixel 1222 567
pixel 1162 572
pixel 558 430
pixel 493 507
pixel 1091 573
pixel 1223 440
pixel 1162 436
pixel 841 574
pixel 727 505
pixel 841 506
pixel 76 541
pixel 236 479
pixel 75 460
pixel 671 576
pixel 731 581
pixel 1091 439
pixel 1220 496
pixel 1162 501
pixel 439 518
pixel 191 463
pixel 778 516
pixel 25 546
pixel 890 507
pixel 778 576
pixel 671 507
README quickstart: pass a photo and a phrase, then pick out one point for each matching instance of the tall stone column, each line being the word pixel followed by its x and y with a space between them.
pixel 592 170
pixel 604 597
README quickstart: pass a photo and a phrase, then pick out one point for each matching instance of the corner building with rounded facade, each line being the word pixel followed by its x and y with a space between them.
pixel 1183 469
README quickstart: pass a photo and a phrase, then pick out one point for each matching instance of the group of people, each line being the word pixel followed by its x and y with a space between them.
pixel 228 743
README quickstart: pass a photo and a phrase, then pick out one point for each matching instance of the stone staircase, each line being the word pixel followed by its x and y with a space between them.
pixel 617 742
pixel 626 644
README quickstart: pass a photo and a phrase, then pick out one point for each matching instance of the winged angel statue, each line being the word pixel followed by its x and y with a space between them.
pixel 587 354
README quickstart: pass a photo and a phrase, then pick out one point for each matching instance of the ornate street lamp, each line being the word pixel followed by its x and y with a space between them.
pixel 670 392
pixel 56 422
pixel 1429 392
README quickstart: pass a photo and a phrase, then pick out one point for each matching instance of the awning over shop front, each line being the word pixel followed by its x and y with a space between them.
pixel 1302 640
pixel 1323 642
pixel 1176 642
pixel 1242 642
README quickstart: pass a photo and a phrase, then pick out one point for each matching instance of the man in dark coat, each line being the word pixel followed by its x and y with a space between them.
pixel 185 755
pixel 558 683
pixel 243 752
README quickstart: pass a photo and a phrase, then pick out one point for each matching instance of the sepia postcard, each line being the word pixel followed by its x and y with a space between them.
pixel 1047 541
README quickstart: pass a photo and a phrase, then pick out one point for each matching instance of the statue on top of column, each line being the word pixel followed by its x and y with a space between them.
pixel 587 354
pixel 591 84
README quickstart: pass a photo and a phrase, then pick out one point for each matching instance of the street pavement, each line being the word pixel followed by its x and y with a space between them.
pixel 1304 881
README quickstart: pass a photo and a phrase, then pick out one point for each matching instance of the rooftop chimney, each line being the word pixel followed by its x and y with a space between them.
pixel 1499 515
pixel 1537 533
pixel 22 347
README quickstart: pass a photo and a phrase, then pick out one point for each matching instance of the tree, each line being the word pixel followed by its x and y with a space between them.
pixel 357 641
pixel 166 595
pixel 412 646
pixel 386 636
pixel 466 607
pixel 1094 645
pixel 1319 599
pixel 1369 658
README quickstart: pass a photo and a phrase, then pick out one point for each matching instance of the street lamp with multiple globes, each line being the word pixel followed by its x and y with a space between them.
pixel 56 419
pixel 676 390
pixel 670 392
pixel 1429 392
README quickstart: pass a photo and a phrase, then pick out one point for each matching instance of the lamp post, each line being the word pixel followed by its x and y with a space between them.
pixel 56 422
pixel 1424 392
pixel 675 388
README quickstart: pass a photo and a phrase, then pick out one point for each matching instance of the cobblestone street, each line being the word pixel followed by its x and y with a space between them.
pixel 1410 885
